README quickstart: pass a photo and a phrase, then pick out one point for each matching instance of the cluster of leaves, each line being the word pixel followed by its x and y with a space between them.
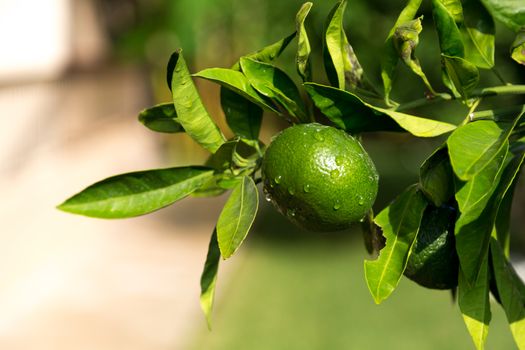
pixel 475 169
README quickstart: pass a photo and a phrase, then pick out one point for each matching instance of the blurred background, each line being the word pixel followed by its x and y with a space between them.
pixel 73 76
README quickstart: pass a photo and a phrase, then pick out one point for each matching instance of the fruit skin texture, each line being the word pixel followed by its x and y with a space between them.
pixel 320 177
pixel 434 262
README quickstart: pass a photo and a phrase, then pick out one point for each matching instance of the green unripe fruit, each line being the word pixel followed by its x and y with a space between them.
pixel 320 177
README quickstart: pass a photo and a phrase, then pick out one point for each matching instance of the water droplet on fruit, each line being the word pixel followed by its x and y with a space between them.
pixel 335 173
pixel 183 82
pixel 278 179
pixel 339 160
pixel 337 205
pixel 291 191
pixel 306 188
pixel 361 200
pixel 318 136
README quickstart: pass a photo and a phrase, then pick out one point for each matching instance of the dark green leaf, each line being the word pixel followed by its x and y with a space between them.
pixel 463 74
pixel 406 39
pixel 373 237
pixel 209 277
pixel 390 56
pixel 236 82
pixel 400 223
pixel 436 177
pixel 449 35
pixel 509 12
pixel 161 118
pixel 276 85
pixel 517 50
pixel 302 58
pixel 242 116
pixel 511 290
pixel 485 139
pixel 350 113
pixel 474 304
pixel 237 216
pixel 478 35
pixel 191 113
pixel 341 64
pixel 137 193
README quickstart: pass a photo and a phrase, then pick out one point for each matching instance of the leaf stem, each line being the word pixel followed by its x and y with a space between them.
pixel 489 91
pixel 499 114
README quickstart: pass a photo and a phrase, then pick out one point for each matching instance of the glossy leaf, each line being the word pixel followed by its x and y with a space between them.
pixel 137 193
pixel 436 178
pixel 236 82
pixel 342 66
pixel 406 39
pixel 463 74
pixel 302 57
pixel 509 12
pixel 161 118
pixel 485 139
pixel 390 56
pixel 511 290
pixel 478 34
pixel 349 112
pixel 209 277
pixel 237 216
pixel 474 304
pixel 455 9
pixel 191 113
pixel 449 35
pixel 400 224
pixel 517 50
pixel 275 84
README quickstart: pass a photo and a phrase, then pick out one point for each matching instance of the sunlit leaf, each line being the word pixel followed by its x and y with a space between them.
pixel 474 304
pixel 509 12
pixel 517 50
pixel 463 74
pixel 400 223
pixel 209 277
pixel 302 57
pixel 191 113
pixel 449 35
pixel 478 35
pixel 511 290
pixel 161 118
pixel 389 55
pixel 237 216
pixel 349 112
pixel 137 193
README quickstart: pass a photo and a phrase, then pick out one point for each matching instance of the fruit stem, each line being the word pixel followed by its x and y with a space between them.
pixel 489 91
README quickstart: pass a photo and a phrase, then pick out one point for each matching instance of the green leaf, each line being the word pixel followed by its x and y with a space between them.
pixel 517 50
pixel 400 223
pixel 191 113
pixel 137 193
pixel 406 39
pixel 342 66
pixel 243 117
pixel 478 35
pixel 474 304
pixel 236 82
pixel 390 56
pixel 511 290
pixel 270 52
pixel 449 35
pixel 237 216
pixel 349 112
pixel 463 74
pixel 485 139
pixel 454 8
pixel 161 118
pixel 276 85
pixel 209 277
pixel 302 58
pixel 509 12
pixel 436 178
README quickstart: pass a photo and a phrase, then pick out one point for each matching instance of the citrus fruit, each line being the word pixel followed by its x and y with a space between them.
pixel 320 177
pixel 434 262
